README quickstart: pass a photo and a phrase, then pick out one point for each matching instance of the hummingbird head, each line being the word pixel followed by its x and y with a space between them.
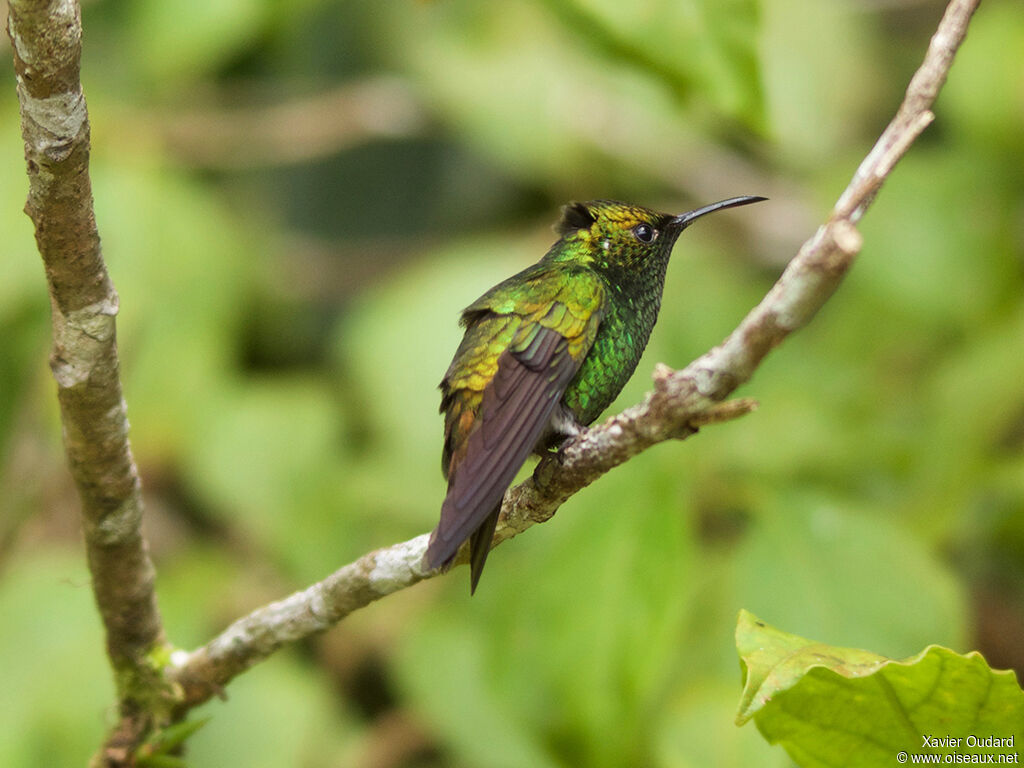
pixel 626 240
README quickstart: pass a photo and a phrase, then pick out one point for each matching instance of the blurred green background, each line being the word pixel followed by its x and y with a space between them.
pixel 296 198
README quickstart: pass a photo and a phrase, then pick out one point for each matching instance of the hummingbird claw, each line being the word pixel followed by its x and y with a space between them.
pixel 560 450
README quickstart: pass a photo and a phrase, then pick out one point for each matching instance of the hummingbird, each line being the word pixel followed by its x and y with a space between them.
pixel 544 353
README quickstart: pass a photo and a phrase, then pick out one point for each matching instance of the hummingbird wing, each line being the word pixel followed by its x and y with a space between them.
pixel 525 340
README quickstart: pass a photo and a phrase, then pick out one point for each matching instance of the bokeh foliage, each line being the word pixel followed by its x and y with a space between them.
pixel 284 324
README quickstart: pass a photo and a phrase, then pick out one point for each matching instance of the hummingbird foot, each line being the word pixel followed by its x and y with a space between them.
pixel 562 429
pixel 559 449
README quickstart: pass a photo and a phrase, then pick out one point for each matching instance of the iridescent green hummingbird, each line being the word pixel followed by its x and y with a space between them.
pixel 544 353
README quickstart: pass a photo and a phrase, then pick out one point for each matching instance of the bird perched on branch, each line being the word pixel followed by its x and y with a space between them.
pixel 544 353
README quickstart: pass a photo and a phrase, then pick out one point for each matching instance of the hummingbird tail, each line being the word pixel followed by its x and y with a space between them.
pixel 480 547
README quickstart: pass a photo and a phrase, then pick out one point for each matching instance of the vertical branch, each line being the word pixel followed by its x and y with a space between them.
pixel 46 37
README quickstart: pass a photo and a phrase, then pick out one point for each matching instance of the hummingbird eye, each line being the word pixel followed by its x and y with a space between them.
pixel 645 233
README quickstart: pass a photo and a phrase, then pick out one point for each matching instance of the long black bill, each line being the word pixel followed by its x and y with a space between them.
pixel 683 220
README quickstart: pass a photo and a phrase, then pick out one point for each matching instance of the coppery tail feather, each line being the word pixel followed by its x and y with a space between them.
pixel 515 410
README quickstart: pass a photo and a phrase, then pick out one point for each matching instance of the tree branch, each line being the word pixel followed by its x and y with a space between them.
pixel 46 37
pixel 681 402
pixel 293 131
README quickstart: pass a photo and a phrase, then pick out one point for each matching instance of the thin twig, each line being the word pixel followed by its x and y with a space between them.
pixel 291 132
pixel 681 401
pixel 46 39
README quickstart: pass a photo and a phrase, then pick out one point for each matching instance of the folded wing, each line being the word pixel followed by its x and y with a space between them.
pixel 490 434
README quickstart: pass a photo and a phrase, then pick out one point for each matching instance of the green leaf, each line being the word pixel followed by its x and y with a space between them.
pixel 831 706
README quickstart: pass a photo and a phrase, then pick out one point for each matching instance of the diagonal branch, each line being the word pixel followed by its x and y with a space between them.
pixel 681 402
pixel 46 37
